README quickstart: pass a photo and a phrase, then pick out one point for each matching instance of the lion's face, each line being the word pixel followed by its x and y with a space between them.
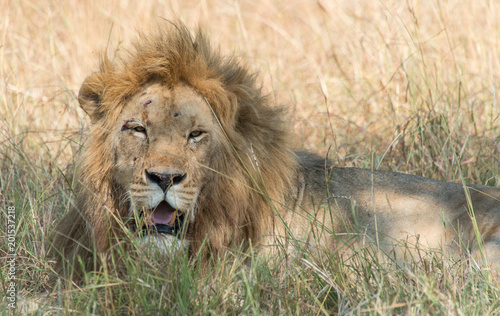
pixel 165 139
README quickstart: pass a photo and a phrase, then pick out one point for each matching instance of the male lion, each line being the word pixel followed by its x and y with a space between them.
pixel 184 147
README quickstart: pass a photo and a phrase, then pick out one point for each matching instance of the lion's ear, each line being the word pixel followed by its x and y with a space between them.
pixel 90 96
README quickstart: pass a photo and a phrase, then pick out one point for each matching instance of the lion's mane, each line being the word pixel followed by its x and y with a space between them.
pixel 252 171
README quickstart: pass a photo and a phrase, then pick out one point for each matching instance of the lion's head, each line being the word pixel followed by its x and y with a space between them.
pixel 183 144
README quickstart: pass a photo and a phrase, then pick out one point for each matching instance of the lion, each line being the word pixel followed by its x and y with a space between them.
pixel 185 151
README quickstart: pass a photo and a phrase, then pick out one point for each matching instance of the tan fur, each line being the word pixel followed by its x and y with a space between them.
pixel 243 180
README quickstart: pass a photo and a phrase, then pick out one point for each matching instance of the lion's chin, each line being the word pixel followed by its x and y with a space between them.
pixel 165 244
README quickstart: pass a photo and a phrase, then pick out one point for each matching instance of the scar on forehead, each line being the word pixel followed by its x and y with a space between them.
pixel 145 92
pixel 147 102
pixel 148 123
pixel 176 114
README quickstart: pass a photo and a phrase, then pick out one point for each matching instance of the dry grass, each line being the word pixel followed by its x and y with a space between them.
pixel 408 86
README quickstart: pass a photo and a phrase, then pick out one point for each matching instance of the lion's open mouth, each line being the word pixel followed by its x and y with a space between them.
pixel 164 219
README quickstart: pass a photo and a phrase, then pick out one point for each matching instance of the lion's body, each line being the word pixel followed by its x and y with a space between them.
pixel 181 132
pixel 386 208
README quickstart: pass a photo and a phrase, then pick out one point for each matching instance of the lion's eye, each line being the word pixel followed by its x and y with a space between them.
pixel 140 129
pixel 134 127
pixel 195 134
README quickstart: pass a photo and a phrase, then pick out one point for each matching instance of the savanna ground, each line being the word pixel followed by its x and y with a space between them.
pixel 407 86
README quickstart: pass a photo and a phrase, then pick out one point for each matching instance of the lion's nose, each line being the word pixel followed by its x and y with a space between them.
pixel 165 180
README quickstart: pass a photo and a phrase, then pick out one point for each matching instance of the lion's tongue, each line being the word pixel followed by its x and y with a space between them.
pixel 163 214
